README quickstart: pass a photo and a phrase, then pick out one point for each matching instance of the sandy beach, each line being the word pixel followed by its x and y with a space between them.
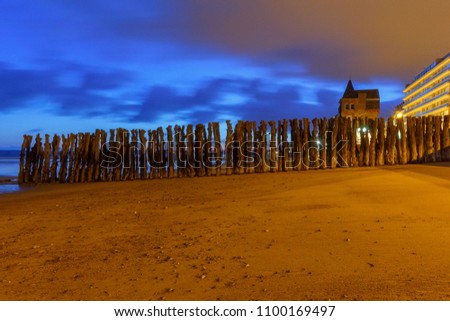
pixel 345 234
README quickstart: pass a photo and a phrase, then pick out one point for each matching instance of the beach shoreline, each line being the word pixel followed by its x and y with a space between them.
pixel 342 234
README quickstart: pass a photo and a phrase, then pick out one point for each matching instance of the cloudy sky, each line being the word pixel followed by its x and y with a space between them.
pixel 77 65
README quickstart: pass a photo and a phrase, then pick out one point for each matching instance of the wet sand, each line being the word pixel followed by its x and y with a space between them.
pixel 344 234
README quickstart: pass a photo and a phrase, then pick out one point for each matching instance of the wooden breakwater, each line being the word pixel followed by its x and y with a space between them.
pixel 247 147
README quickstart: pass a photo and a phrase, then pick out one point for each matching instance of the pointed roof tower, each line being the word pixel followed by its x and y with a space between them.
pixel 350 91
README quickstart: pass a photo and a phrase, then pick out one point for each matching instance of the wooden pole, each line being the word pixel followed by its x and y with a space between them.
pixel 314 148
pixel 217 148
pixel 263 145
pixel 429 148
pixel 238 146
pixel 190 151
pixel 391 140
pixel 322 143
pixel 22 160
pixel 296 149
pixel 353 142
pixel 402 139
pixel 170 147
pixel 305 146
pixel 143 155
pixel 284 144
pixel 54 167
pixel 63 159
pixel 446 139
pixel 47 158
pixel 437 138
pixel 134 155
pixel 273 162
pixel 111 166
pixel 411 129
pixel 381 138
pixel 229 149
pixel 334 122
pixel 420 129
pixel 38 157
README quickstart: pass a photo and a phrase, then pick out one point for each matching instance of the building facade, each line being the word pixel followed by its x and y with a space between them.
pixel 359 103
pixel 429 92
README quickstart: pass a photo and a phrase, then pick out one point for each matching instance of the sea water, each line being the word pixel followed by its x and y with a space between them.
pixel 9 169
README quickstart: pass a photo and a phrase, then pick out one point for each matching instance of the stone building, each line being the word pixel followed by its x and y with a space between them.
pixel 359 103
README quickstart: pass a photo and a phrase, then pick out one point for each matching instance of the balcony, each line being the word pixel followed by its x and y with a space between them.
pixel 444 80
pixel 426 112
pixel 427 81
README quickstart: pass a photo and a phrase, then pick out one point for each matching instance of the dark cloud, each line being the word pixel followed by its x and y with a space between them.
pixel 257 99
pixel 21 87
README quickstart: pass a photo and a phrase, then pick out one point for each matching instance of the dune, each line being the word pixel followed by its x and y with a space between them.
pixel 345 234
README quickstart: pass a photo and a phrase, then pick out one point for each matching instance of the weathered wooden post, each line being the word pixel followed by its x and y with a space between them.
pixel 263 146
pixel 199 143
pixel 46 166
pixel 73 141
pixel 127 162
pixel 280 155
pixel 420 130
pixel 238 148
pixel 249 148
pixel 229 149
pixel 55 150
pixel 353 142
pixel 217 149
pixel 429 154
pixel 134 155
pixel 381 138
pixel 37 157
pixel 323 143
pixel 143 155
pixel 402 141
pixel 372 138
pixel 296 149
pixel 411 129
pixel 22 160
pixel 305 145
pixel 182 154
pixel 437 138
pixel 273 162
pixel 111 166
pixel 93 156
pixel 178 147
pixel 334 128
pixel 84 150
pixel 284 144
pixel 101 171
pixel 346 136
pixel 28 160
pixel 391 140
pixel 190 151
pixel 64 159
pixel 314 146
pixel 121 151
pixel 446 139
pixel 171 170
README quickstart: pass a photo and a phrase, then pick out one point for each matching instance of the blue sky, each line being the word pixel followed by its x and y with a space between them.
pixel 70 66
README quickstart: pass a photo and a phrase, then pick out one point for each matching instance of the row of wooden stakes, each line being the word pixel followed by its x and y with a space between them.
pixel 196 151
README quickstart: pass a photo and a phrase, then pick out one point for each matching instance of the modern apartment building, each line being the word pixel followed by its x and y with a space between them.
pixel 429 92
